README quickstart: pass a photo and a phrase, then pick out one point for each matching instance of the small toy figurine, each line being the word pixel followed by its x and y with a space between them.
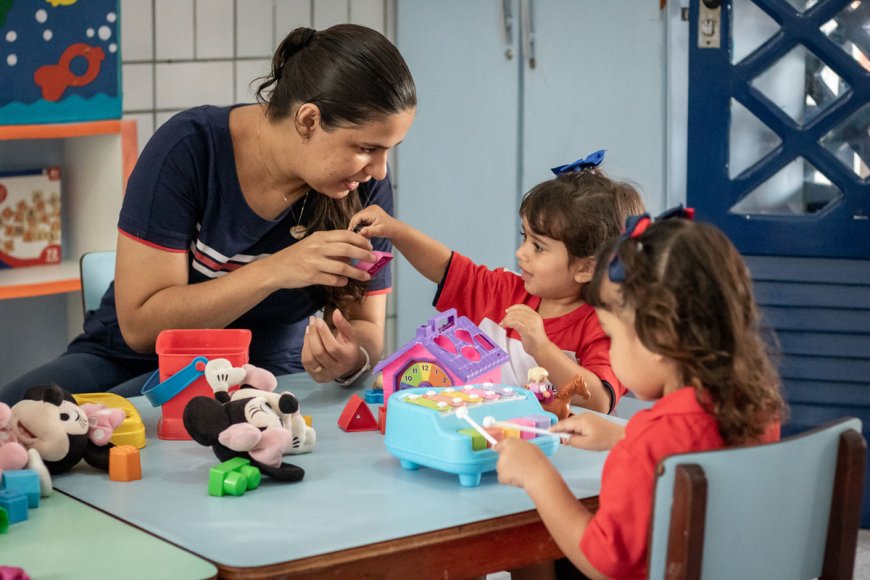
pixel 560 403
pixel 538 384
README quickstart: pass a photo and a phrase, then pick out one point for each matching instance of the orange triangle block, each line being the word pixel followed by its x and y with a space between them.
pixel 356 416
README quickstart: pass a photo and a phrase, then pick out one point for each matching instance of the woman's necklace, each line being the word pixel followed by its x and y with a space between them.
pixel 298 231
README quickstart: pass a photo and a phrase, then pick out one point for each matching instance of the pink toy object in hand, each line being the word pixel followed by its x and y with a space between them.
pixel 373 268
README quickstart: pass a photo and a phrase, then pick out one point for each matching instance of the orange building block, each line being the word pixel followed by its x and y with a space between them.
pixel 382 419
pixel 124 463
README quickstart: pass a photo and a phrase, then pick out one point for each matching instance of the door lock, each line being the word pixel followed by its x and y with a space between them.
pixel 709 23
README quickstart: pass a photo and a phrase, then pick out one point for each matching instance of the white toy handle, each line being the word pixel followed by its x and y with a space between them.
pixel 491 422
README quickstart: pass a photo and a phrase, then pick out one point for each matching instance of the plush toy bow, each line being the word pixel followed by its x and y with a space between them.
pixel 267 446
pixel 102 422
pixel 591 160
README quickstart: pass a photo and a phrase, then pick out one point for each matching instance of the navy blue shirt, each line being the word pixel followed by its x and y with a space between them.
pixel 184 195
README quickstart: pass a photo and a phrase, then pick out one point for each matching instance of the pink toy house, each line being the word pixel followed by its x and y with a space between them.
pixel 449 350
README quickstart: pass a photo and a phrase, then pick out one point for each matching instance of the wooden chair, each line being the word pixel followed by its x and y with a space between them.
pixel 786 510
pixel 97 270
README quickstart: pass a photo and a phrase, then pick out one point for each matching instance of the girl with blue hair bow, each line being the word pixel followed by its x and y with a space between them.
pixel 540 315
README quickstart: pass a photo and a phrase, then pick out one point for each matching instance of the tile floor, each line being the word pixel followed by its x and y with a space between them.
pixel 862 560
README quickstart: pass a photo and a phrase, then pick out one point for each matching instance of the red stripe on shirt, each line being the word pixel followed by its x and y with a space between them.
pixel 150 244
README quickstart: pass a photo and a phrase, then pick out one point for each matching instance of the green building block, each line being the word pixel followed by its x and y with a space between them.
pixel 478 443
pixel 233 464
pixel 252 475
pixel 233 477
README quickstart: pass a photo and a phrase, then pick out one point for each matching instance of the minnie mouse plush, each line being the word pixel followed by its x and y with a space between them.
pixel 247 423
pixel 57 433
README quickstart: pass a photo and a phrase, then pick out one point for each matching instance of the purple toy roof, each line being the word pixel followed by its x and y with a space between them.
pixel 457 343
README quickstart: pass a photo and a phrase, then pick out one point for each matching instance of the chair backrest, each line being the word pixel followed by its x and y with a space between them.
pixel 787 510
pixel 97 271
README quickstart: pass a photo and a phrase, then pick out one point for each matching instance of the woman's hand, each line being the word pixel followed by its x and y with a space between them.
pixel 321 258
pixel 374 222
pixel 519 461
pixel 590 431
pixel 529 325
pixel 327 356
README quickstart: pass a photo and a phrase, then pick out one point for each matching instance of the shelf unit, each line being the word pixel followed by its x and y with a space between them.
pixel 96 159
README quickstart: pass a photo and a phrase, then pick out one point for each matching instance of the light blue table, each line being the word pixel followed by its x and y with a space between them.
pixel 65 539
pixel 355 511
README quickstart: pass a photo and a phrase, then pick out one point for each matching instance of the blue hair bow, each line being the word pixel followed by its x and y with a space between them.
pixel 591 160
pixel 635 225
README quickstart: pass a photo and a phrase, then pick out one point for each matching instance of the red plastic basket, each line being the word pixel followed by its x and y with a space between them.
pixel 176 349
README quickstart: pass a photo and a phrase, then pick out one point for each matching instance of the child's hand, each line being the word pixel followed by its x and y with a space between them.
pixel 373 222
pixel 519 461
pixel 590 431
pixel 529 325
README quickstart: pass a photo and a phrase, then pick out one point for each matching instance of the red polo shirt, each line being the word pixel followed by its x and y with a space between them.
pixel 615 542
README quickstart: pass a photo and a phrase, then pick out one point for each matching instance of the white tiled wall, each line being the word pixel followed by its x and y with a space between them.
pixel 182 53
pixel 178 54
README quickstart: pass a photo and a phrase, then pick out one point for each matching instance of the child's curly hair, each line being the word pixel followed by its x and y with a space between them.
pixel 582 209
pixel 690 294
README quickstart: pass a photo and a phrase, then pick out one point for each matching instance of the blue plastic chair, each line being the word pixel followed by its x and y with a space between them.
pixel 97 270
pixel 785 510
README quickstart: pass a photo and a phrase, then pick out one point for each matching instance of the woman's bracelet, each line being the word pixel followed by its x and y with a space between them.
pixel 349 379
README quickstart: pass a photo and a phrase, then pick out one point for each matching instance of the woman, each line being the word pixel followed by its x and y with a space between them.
pixel 237 217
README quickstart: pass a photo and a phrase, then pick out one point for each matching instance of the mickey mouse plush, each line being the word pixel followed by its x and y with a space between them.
pixel 58 433
pixel 246 424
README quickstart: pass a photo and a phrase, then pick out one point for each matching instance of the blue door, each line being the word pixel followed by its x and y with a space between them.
pixel 778 124
pixel 779 149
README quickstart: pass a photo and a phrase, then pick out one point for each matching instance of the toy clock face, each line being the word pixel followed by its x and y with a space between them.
pixel 423 374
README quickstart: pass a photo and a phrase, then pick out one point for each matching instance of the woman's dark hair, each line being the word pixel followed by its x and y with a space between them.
pixel 582 209
pixel 353 74
pixel 690 295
